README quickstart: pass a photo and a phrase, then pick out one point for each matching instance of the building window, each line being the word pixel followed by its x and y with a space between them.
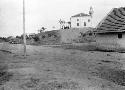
pixel 77 19
pixel 119 35
pixel 77 24
pixel 84 23
pixel 88 20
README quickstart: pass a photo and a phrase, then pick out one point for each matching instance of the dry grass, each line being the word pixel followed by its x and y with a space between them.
pixel 46 65
pixel 5 76
pixel 50 85
pixel 114 75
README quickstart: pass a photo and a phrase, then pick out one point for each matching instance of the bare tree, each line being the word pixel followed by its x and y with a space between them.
pixel 62 22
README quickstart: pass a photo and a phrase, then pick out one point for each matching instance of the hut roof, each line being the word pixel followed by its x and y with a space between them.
pixel 113 22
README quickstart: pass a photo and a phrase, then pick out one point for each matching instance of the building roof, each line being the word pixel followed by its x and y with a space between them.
pixel 81 15
pixel 113 22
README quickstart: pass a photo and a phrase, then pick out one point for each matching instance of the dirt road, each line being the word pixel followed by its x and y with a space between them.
pixel 48 68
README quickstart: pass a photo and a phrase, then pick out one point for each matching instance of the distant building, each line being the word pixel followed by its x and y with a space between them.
pixel 80 20
pixel 32 35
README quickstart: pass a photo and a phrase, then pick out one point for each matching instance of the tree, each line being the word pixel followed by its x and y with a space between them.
pixel 62 22
pixel 42 29
pixel 36 38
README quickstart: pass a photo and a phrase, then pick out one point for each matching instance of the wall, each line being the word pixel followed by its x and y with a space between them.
pixel 81 22
pixel 110 41
pixel 121 41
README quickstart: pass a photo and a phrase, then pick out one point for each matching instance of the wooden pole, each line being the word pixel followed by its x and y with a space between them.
pixel 24 35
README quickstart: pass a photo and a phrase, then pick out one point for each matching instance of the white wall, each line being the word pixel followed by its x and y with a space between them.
pixel 121 41
pixel 81 22
pixel 110 41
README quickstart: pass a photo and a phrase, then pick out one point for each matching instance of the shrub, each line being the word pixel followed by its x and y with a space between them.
pixel 36 38
pixel 4 74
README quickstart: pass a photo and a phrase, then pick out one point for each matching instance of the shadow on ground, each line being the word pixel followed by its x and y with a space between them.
pixel 5 76
pixel 88 47
pixel 116 76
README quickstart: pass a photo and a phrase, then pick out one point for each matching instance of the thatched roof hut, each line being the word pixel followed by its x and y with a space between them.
pixel 110 32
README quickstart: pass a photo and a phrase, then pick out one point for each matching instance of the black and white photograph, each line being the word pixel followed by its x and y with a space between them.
pixel 62 44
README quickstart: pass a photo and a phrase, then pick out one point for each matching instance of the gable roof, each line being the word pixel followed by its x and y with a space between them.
pixel 113 22
pixel 81 15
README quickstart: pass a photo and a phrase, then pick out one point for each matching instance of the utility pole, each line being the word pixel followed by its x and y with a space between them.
pixel 24 34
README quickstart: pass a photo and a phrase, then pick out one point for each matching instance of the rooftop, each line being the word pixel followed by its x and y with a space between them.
pixel 81 15
pixel 113 22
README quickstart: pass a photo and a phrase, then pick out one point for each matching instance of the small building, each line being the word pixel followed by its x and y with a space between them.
pixel 110 33
pixel 31 35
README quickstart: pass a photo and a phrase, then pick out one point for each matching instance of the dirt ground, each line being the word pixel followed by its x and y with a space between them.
pixel 61 68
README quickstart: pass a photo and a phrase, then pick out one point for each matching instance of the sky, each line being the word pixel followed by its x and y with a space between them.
pixel 47 13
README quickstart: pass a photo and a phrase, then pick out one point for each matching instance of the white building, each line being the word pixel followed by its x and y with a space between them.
pixel 81 20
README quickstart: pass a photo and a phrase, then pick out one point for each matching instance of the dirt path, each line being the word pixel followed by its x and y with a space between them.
pixel 47 68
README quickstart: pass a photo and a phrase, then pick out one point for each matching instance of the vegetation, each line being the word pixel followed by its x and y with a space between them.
pixel 42 29
pixel 36 38
pixel 3 39
pixel 4 74
pixel 89 36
